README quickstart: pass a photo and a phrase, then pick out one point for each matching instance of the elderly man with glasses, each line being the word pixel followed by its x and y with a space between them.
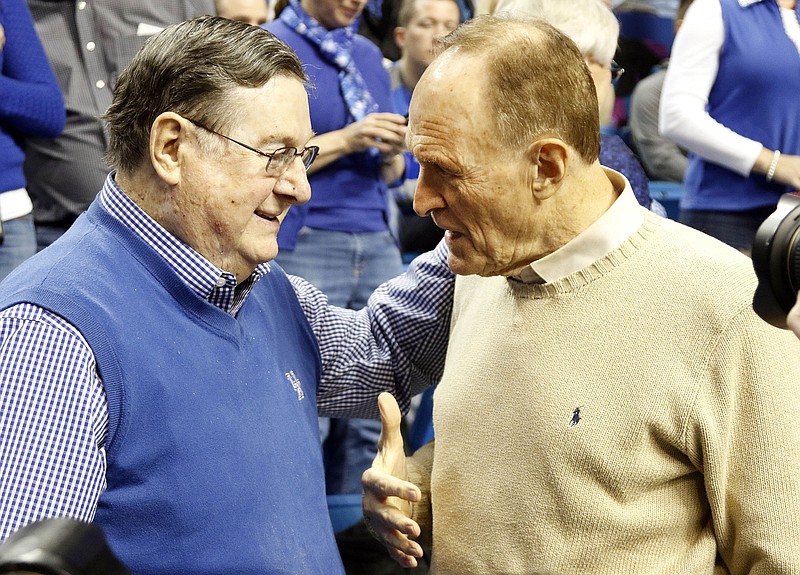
pixel 159 376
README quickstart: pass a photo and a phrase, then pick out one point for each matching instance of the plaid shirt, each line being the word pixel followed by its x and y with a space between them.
pixel 53 411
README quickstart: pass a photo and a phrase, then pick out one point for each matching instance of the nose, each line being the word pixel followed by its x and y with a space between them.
pixel 426 196
pixel 293 183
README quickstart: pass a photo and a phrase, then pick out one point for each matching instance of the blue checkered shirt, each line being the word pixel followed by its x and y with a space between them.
pixel 53 411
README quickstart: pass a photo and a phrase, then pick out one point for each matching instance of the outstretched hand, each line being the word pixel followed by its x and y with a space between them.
pixel 388 496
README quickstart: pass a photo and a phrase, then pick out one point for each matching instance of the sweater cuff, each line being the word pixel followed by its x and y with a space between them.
pixel 419 468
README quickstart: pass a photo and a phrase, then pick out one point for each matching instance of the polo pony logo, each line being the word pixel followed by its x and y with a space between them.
pixel 296 385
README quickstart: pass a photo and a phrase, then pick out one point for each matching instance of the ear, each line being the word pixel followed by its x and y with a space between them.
pixel 400 37
pixel 549 156
pixel 167 135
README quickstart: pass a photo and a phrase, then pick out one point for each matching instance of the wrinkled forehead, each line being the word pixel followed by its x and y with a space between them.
pixel 453 85
pixel 447 107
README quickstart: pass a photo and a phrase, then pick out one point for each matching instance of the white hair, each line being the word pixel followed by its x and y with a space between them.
pixel 589 23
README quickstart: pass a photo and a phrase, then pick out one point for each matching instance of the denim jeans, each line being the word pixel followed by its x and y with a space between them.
pixel 19 243
pixel 347 267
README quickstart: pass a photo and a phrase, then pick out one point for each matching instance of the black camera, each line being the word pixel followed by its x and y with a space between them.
pixel 776 259
pixel 59 546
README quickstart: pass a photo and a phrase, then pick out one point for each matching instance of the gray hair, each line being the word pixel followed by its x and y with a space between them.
pixel 589 23
pixel 192 69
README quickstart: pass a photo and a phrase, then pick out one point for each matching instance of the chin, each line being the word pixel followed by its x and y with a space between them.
pixel 267 253
pixel 462 266
pixel 474 266
pixel 271 255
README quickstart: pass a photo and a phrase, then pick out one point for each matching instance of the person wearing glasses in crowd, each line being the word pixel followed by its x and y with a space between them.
pixel 158 375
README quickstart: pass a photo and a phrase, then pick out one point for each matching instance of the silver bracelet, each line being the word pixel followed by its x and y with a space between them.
pixel 773 164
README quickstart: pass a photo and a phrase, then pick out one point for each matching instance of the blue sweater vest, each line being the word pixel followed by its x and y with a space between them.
pixel 756 94
pixel 214 462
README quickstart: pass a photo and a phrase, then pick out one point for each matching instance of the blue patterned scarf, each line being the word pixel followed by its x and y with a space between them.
pixel 335 46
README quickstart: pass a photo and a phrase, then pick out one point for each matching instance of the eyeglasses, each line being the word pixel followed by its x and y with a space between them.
pixel 616 71
pixel 279 160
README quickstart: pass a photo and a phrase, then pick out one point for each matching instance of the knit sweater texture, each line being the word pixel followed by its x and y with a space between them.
pixel 633 417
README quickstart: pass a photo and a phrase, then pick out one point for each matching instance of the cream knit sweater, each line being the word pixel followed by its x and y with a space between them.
pixel 635 417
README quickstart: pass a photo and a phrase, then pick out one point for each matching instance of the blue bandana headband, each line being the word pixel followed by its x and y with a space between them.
pixel 335 46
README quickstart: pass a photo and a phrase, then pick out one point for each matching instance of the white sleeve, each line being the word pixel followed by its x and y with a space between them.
pixel 692 71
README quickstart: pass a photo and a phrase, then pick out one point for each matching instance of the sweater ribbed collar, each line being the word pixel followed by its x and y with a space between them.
pixel 606 234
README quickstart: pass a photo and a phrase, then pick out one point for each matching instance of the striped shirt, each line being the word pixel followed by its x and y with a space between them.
pixel 53 411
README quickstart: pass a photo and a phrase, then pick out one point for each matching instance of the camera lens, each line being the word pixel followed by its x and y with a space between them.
pixel 776 260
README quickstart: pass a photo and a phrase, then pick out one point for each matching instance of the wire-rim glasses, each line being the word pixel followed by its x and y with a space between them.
pixel 279 160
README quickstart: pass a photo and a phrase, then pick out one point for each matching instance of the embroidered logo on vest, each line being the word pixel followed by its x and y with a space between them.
pixel 296 385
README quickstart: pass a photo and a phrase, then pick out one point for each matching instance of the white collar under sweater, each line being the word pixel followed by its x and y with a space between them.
pixel 605 235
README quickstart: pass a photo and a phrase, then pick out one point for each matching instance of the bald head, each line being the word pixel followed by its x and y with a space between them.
pixel 533 78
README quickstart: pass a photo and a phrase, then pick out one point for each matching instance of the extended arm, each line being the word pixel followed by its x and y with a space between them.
pixel 397 343
pixel 683 118
pixel 53 421
pixel 30 99
pixel 692 70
